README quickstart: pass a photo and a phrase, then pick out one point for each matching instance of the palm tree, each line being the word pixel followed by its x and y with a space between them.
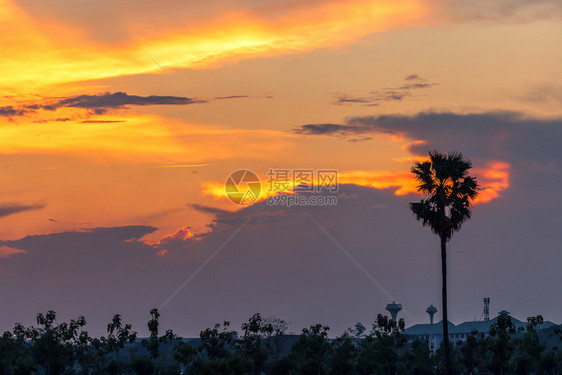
pixel 449 192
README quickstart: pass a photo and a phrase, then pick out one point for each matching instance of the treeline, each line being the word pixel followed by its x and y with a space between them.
pixel 264 347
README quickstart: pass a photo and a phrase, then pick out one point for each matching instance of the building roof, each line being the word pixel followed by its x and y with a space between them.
pixel 547 324
pixel 426 329
pixel 482 326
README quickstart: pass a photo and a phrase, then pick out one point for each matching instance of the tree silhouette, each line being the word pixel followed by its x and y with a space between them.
pixel 310 353
pixel 253 345
pixel 153 343
pixel 449 192
pixel 501 344
pixel 378 351
pixel 343 355
pixel 53 344
pixel 215 342
pixel 118 335
pixel 67 349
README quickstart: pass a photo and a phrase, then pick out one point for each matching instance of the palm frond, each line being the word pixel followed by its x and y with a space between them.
pixel 445 182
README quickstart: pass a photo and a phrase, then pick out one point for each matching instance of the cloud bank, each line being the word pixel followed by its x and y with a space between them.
pixel 7 209
pixel 99 103
pixel 495 135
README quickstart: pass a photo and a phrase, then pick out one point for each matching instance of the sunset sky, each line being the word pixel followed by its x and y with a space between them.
pixel 120 122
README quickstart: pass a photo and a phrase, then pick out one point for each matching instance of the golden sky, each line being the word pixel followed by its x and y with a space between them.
pixel 130 113
pixel 284 64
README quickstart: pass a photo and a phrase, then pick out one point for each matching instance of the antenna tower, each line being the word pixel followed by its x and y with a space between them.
pixel 486 312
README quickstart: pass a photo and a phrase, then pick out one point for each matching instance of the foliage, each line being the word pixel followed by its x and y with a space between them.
pixel 215 342
pixel 251 346
pixel 53 345
pixel 66 348
pixel 380 350
pixel 309 355
pixel 448 191
pixel 343 359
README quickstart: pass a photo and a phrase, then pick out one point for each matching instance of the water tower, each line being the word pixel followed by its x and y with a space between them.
pixel 393 308
pixel 431 310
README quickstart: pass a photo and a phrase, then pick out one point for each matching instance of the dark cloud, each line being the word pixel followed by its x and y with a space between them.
pixel 120 100
pixel 362 139
pixel 10 111
pixel 391 95
pixel 417 86
pixel 242 97
pixel 321 129
pixel 507 136
pixel 337 129
pixel 387 94
pixel 36 243
pixel 230 97
pixel 86 272
pixel 413 77
pixel 97 250
pixel 74 224
pixel 496 135
pixel 7 209
pixel 100 104
pixel 344 99
pixel 97 104
pixel 100 121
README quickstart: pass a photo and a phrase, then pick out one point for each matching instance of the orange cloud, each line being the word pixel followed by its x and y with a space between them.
pixel 181 235
pixel 412 159
pixel 402 181
pixel 493 179
pixel 39 52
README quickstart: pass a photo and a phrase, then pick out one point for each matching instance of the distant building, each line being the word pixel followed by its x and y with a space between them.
pixel 433 333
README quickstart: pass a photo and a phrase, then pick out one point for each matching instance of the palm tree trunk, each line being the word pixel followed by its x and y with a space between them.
pixel 444 301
